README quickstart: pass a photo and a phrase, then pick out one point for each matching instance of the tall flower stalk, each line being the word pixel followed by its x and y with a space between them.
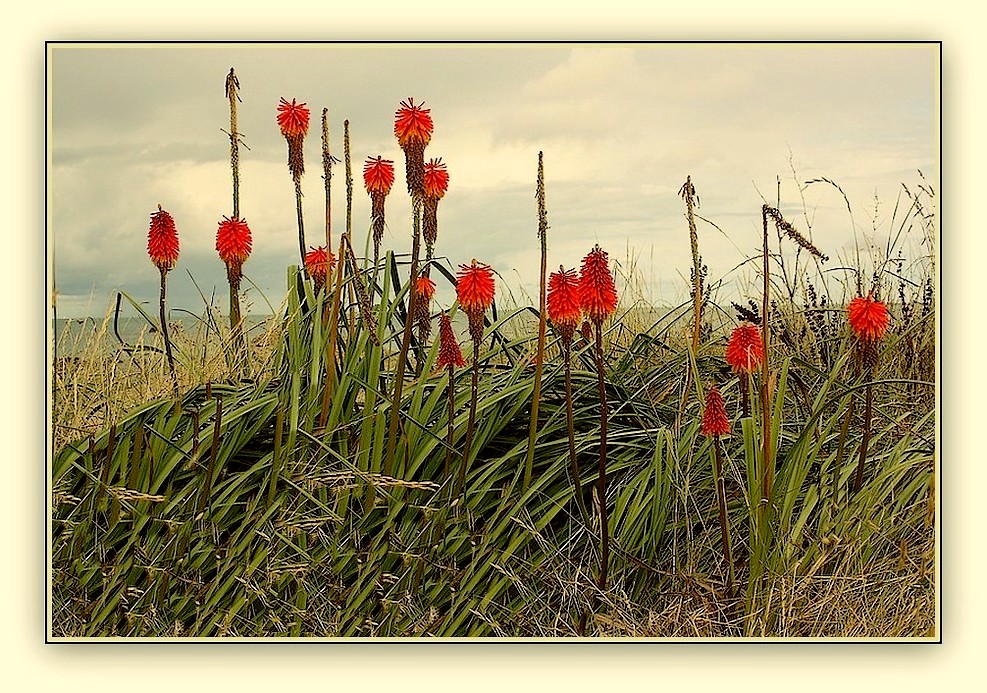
pixel 233 243
pixel 232 85
pixel 293 120
pixel 598 299
pixel 564 312
pixel 450 358
pixel 869 320
pixel 378 177
pixel 540 353
pixel 435 185
pixel 715 424
pixel 475 291
pixel 162 248
pixel 413 129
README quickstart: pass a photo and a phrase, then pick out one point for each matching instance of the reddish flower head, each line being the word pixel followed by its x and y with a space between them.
pixel 436 179
pixel 162 240
pixel 425 287
pixel 715 421
pixel 868 318
pixel 233 241
pixel 412 124
pixel 597 292
pixel 292 118
pixel 745 351
pixel 378 175
pixel 449 351
pixel 318 264
pixel 563 300
pixel 475 287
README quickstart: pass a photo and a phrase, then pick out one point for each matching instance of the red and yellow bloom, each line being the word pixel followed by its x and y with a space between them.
pixel 745 350
pixel 868 318
pixel 563 302
pixel 597 291
pixel 715 421
pixel 378 175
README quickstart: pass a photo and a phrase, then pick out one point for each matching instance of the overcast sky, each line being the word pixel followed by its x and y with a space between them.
pixel 620 125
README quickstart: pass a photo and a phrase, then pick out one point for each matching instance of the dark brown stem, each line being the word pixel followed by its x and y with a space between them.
pixel 452 422
pixel 601 484
pixel 868 410
pixel 721 501
pixel 327 174
pixel 232 84
pixel 767 471
pixel 301 220
pixel 164 333
pixel 471 421
pixel 392 432
pixel 573 461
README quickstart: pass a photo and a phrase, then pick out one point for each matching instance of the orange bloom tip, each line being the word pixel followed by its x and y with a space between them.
pixel 715 421
pixel 745 350
pixel 412 124
pixel 436 179
pixel 378 175
pixel 233 242
pixel 597 291
pixel 425 288
pixel 563 298
pixel 449 352
pixel 292 118
pixel 475 287
pixel 868 318
pixel 162 240
pixel 318 262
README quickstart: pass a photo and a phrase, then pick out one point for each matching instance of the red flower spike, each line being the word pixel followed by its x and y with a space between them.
pixel 162 240
pixel 412 124
pixel 563 301
pixel 745 351
pixel 233 242
pixel 868 318
pixel 597 292
pixel 475 287
pixel 449 351
pixel 436 179
pixel 425 288
pixel 292 118
pixel 318 264
pixel 378 175
pixel 715 421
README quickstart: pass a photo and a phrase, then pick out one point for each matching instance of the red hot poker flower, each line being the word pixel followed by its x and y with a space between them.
pixel 318 264
pixel 475 287
pixel 449 351
pixel 412 124
pixel 745 351
pixel 292 118
pixel 378 175
pixel 563 301
pixel 425 288
pixel 162 240
pixel 868 318
pixel 436 179
pixel 715 421
pixel 597 292
pixel 233 242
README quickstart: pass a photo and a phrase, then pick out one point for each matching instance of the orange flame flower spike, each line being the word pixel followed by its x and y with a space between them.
pixel 425 288
pixel 412 124
pixel 233 243
pixel 319 263
pixel 563 302
pixel 162 240
pixel 449 352
pixel 293 118
pixel 475 287
pixel 715 421
pixel 868 318
pixel 436 179
pixel 378 175
pixel 597 292
pixel 413 128
pixel 745 351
